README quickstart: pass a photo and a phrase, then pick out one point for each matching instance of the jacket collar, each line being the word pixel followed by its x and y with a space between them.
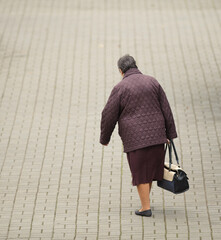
pixel 131 71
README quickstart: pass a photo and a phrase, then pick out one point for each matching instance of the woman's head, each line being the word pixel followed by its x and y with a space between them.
pixel 126 62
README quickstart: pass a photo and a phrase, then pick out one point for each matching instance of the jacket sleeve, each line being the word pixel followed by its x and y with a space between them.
pixel 168 115
pixel 109 116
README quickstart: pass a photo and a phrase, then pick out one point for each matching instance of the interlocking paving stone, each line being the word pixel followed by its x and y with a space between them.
pixel 58 65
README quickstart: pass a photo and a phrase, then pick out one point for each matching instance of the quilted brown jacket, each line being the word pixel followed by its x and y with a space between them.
pixel 140 106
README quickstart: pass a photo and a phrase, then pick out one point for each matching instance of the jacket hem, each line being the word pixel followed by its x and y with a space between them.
pixel 143 145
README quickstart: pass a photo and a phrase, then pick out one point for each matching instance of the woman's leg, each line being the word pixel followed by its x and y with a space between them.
pixel 150 186
pixel 144 190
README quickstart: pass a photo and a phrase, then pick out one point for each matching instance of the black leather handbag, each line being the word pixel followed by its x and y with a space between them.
pixel 175 179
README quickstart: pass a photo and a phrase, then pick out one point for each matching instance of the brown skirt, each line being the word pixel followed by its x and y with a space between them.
pixel 146 164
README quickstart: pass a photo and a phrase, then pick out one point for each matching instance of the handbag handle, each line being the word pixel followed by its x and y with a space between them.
pixel 170 153
pixel 175 152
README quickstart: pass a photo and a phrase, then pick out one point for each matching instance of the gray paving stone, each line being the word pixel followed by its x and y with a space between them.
pixel 57 68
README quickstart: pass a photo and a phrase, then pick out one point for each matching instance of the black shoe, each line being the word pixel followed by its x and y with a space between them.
pixel 146 213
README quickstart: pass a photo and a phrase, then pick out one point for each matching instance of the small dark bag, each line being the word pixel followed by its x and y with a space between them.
pixel 175 179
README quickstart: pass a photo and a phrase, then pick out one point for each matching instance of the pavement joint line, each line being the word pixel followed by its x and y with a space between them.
pixel 17 106
pixel 85 128
pixel 39 179
pixel 68 121
pixel 187 74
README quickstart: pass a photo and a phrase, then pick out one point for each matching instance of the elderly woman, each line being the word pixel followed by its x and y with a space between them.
pixel 145 123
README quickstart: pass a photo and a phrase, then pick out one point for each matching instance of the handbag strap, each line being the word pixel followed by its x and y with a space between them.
pixel 171 146
pixel 170 155
pixel 175 152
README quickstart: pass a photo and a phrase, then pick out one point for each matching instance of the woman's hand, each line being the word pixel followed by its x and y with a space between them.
pixel 168 141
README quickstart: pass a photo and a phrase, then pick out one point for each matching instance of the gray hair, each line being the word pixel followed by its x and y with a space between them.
pixel 126 62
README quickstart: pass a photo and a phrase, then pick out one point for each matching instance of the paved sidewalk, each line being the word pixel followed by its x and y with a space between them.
pixel 58 64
